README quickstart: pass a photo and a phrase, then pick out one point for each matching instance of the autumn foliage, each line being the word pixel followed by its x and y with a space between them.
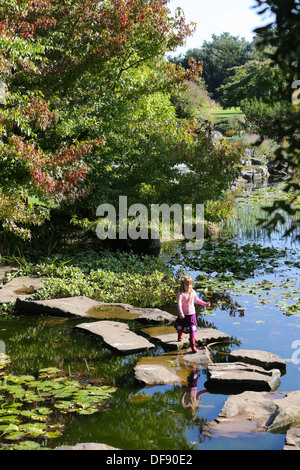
pixel 50 51
pixel 87 107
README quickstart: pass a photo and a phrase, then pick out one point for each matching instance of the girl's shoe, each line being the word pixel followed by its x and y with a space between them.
pixel 180 335
pixel 193 345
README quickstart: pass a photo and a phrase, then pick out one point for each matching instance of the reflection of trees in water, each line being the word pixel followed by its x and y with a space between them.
pixel 225 302
pixel 141 421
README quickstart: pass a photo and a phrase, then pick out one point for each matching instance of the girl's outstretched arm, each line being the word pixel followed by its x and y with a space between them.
pixel 198 301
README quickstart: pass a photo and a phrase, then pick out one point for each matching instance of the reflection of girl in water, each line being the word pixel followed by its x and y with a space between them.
pixel 191 398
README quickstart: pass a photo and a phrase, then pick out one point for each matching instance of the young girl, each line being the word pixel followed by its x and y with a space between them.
pixel 186 321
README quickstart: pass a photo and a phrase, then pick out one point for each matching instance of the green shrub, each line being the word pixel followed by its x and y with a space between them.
pixel 107 277
pixel 230 123
pixel 230 132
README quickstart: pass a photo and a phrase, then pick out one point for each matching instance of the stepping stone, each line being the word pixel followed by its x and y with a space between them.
pixel 171 367
pixel 117 336
pixel 200 358
pixel 66 307
pixel 88 308
pixel 264 411
pixel 263 359
pixel 240 376
pixel 154 374
pixel 87 446
pixel 168 368
pixel 292 439
pixel 20 288
pixel 167 336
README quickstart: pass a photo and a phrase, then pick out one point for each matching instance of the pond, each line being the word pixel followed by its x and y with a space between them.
pixel 256 303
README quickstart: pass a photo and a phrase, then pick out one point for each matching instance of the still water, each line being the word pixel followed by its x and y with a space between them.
pixel 256 312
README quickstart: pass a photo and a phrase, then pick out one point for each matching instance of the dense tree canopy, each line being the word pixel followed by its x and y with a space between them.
pixel 219 56
pixel 87 115
pixel 284 54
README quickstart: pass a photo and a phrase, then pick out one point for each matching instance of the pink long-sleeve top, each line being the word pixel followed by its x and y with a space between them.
pixel 184 307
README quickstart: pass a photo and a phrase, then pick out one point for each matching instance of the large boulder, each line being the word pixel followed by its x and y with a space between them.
pixel 259 411
pixel 292 439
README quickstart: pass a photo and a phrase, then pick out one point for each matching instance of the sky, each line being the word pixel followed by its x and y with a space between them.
pixel 217 16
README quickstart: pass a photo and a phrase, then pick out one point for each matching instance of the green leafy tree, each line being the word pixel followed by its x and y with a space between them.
pixel 66 66
pixel 87 116
pixel 219 56
pixel 254 80
pixel 284 53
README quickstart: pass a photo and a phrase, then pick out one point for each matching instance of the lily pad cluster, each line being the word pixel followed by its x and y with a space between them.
pixel 30 407
pixel 230 257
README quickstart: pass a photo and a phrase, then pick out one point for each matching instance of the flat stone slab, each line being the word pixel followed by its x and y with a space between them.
pixel 292 439
pixel 87 446
pixel 170 368
pixel 241 376
pixel 67 307
pixel 117 336
pixel 88 308
pixel 167 337
pixel 20 288
pixel 155 374
pixel 259 411
pixel 263 359
pixel 200 358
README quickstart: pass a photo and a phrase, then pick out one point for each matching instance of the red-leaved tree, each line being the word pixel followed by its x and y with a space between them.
pixel 61 61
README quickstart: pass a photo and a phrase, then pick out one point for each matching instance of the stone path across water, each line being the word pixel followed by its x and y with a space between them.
pixel 258 411
pixel 263 359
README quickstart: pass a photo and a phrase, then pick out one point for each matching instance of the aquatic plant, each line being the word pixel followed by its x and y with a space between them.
pixel 230 257
pixel 30 408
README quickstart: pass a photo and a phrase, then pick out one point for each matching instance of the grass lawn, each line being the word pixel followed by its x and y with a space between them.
pixel 222 113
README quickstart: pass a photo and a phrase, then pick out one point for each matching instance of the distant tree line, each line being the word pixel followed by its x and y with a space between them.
pixel 239 73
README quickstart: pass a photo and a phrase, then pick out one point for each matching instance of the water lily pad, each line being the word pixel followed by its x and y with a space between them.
pixel 27 445
pixel 53 434
pixel 51 389
pixel 49 372
pixel 15 436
